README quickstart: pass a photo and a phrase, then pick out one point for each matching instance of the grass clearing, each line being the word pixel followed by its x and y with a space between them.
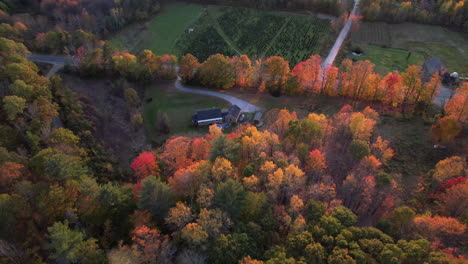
pixel 162 32
pixel 178 106
pixel 388 59
pixel 421 40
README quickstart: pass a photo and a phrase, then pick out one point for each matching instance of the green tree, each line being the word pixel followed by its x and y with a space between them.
pixel 359 149
pixel 7 214
pixel 315 253
pixel 69 246
pixel 13 106
pixel 314 210
pixel 391 254
pixel 64 167
pixel 230 197
pixel 222 147
pixel 416 251
pixel 297 243
pixel 217 72
pixel 344 215
pixel 230 249
pixel 331 225
pixel 340 256
pixel 155 196
pixel 21 89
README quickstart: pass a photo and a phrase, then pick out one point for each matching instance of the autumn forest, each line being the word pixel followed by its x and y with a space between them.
pixel 349 164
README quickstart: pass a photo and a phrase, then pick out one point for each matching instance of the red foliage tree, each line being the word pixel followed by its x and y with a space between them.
pixel 145 165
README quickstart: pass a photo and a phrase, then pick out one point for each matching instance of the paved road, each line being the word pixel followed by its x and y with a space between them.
pixel 243 105
pixel 341 37
pixel 57 61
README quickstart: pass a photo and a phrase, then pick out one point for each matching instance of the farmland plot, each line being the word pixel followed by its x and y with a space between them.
pixel 261 34
pixel 250 29
pixel 300 39
pixel 377 34
pixel 202 40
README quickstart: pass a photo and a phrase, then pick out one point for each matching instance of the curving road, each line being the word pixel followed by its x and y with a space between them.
pixel 243 105
pixel 341 37
pixel 59 62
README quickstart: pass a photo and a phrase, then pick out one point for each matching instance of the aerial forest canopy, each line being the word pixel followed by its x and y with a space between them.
pixel 290 193
pixel 337 164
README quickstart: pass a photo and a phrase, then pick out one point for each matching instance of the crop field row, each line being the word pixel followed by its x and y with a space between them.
pixel 299 39
pixel 251 30
pixel 377 34
pixel 261 33
pixel 203 41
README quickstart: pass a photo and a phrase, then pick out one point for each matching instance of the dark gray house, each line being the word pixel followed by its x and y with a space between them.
pixel 215 116
pixel 232 115
pixel 208 117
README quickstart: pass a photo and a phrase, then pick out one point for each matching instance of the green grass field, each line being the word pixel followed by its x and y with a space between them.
pixel 388 59
pixel 421 40
pixel 179 108
pixel 162 32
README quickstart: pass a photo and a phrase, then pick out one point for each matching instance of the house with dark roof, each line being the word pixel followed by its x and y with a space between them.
pixel 215 116
pixel 431 66
pixel 232 115
pixel 208 117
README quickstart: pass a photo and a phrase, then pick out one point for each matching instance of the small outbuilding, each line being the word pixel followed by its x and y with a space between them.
pixel 232 114
pixel 208 117
pixel 257 119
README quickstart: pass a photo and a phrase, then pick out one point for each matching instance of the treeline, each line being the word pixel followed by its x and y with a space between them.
pixel 355 80
pixel 333 7
pixel 101 16
pixel 444 12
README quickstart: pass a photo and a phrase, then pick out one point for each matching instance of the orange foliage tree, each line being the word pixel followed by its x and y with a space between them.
pixel 457 106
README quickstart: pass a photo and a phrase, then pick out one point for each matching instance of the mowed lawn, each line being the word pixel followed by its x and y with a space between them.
pixel 424 41
pixel 389 59
pixel 178 106
pixel 162 32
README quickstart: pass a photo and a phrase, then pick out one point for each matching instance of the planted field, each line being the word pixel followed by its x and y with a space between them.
pixel 377 34
pixel 182 28
pixel 251 30
pixel 262 34
pixel 203 40
pixel 300 38
pixel 421 40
